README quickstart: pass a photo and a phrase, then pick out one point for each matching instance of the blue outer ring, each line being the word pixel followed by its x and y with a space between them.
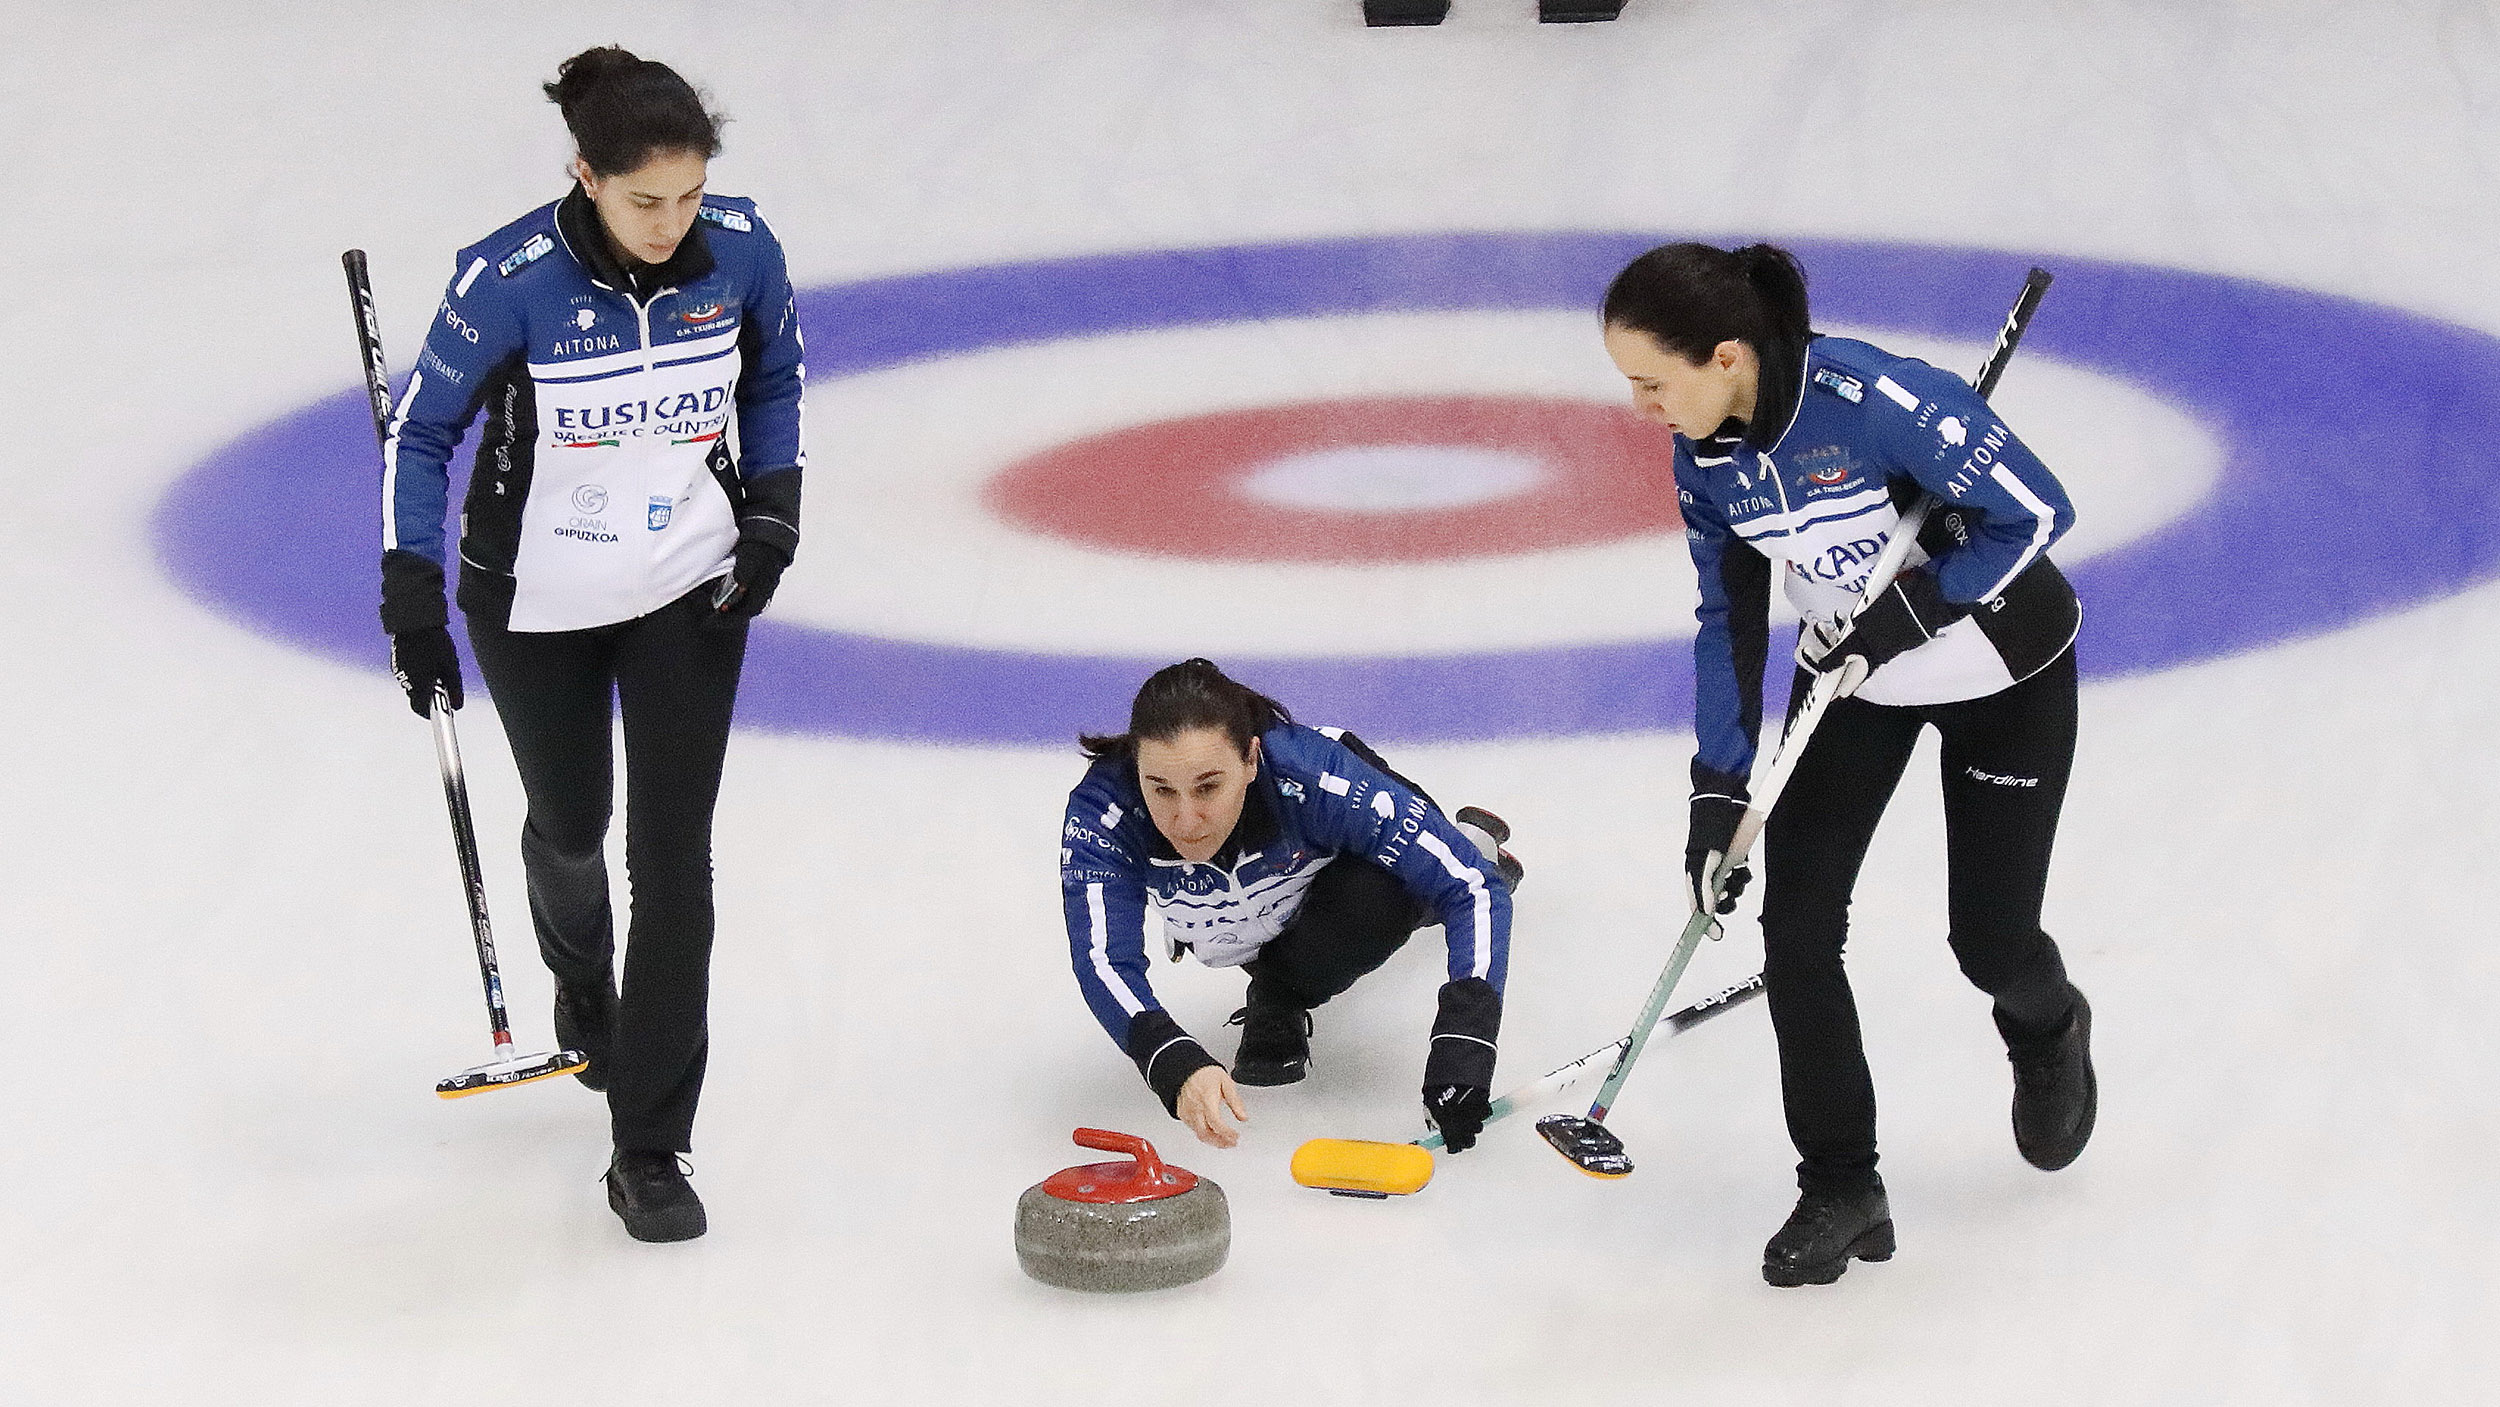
pixel 2359 477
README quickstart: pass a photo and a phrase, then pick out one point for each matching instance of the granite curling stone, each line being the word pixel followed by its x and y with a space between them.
pixel 1140 1225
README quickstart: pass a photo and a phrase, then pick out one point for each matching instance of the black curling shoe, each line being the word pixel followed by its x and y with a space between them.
pixel 2057 1098
pixel 582 1019
pixel 1825 1233
pixel 648 1192
pixel 1504 863
pixel 1275 1044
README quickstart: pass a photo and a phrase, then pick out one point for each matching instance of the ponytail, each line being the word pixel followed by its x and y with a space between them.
pixel 1692 297
pixel 1780 285
pixel 1191 694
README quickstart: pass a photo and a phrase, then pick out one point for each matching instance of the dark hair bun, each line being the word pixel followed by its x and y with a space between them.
pixel 622 110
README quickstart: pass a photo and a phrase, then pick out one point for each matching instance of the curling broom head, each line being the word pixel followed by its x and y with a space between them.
pixel 1587 1145
pixel 517 1070
pixel 1353 1167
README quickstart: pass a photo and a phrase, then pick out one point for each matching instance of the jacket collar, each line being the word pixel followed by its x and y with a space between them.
pixel 578 221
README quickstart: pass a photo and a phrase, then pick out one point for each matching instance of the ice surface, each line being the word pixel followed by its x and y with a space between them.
pixel 235 958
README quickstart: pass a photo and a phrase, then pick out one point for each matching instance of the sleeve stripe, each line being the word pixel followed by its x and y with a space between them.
pixel 1479 962
pixel 476 267
pixel 1896 393
pixel 2044 524
pixel 390 464
pixel 1099 949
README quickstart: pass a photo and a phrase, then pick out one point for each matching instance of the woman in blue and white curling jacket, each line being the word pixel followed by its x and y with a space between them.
pixel 1293 853
pixel 634 500
pixel 1804 451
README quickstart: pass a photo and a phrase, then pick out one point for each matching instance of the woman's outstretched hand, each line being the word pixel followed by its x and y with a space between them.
pixel 1204 1098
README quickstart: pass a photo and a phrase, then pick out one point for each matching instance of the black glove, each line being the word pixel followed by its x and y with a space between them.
pixel 1707 840
pixel 421 659
pixel 1458 1075
pixel 1458 1112
pixel 752 579
pixel 1906 616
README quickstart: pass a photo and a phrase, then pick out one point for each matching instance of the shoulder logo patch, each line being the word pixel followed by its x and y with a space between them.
pixel 726 219
pixel 1848 388
pixel 533 249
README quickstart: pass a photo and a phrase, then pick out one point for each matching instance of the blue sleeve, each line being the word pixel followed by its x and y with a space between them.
pixel 1105 904
pixel 477 328
pixel 1361 809
pixel 769 440
pixel 1732 644
pixel 1943 435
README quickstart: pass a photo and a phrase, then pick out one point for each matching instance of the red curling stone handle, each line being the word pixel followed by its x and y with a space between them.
pixel 1147 1179
pixel 1149 1166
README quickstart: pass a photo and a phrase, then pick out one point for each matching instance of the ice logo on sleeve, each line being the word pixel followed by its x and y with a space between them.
pixel 662 506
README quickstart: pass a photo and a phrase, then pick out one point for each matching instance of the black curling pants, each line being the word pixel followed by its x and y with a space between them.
pixel 675 678
pixel 2005 760
pixel 1353 917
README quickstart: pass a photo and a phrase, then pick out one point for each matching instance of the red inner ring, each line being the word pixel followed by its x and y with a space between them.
pixel 1172 488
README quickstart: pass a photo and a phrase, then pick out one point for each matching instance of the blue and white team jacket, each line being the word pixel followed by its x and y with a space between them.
pixel 1868 433
pixel 637 423
pixel 1314 799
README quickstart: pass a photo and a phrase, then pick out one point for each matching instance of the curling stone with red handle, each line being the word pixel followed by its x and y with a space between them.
pixel 1139 1225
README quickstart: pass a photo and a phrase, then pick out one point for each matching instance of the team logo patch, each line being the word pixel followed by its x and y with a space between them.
pixel 590 498
pixel 701 313
pixel 727 219
pixel 662 506
pixel 584 318
pixel 1952 431
pixel 533 249
pixel 1848 388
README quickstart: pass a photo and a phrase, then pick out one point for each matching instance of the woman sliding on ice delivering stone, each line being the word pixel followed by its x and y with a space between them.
pixel 1807 450
pixel 1293 853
